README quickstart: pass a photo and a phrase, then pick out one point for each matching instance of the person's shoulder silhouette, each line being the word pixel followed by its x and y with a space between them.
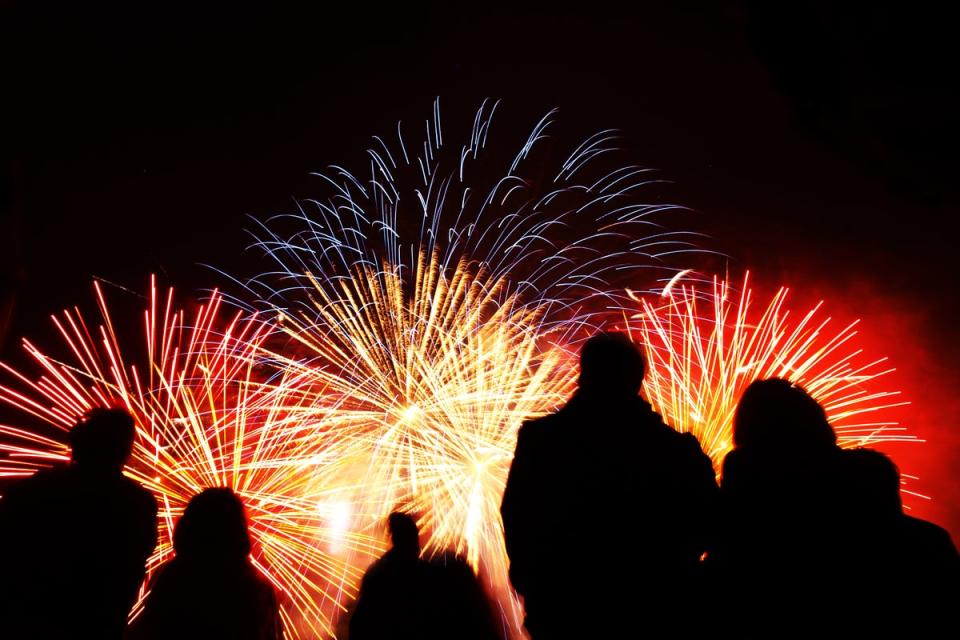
pixel 75 538
pixel 605 452
pixel 210 589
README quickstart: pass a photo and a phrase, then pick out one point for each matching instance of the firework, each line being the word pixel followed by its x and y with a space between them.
pixel 414 319
pixel 433 303
pixel 555 241
pixel 208 414
pixel 430 391
pixel 705 347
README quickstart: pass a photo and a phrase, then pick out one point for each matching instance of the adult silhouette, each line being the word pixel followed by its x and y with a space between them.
pixel 74 539
pixel 391 601
pixel 607 510
pixel 403 596
pixel 904 570
pixel 210 589
pixel 780 554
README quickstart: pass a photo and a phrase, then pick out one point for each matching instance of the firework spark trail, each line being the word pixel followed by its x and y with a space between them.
pixel 207 415
pixel 435 300
pixel 705 347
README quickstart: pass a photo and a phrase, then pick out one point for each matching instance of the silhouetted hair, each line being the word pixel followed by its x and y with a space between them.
pixel 213 527
pixel 778 413
pixel 102 439
pixel 611 363
pixel 403 531
pixel 874 480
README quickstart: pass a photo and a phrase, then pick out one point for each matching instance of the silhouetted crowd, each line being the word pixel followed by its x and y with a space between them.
pixel 616 527
pixel 614 524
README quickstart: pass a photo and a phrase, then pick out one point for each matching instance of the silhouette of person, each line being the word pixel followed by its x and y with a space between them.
pixel 74 540
pixel 780 554
pixel 606 503
pixel 403 596
pixel 390 603
pixel 905 569
pixel 210 589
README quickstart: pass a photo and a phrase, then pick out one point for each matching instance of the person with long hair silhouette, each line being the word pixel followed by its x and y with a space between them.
pixel 780 556
pixel 210 589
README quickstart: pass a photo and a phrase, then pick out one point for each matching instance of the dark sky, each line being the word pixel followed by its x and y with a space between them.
pixel 816 143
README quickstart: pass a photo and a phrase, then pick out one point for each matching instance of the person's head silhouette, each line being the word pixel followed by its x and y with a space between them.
pixel 101 442
pixel 213 527
pixel 611 364
pixel 404 534
pixel 776 413
pixel 875 482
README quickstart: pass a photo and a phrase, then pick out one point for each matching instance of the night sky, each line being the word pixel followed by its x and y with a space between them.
pixel 816 144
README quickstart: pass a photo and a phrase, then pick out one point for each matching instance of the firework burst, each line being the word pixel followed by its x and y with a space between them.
pixel 208 414
pixel 704 347
pixel 433 304
pixel 430 391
